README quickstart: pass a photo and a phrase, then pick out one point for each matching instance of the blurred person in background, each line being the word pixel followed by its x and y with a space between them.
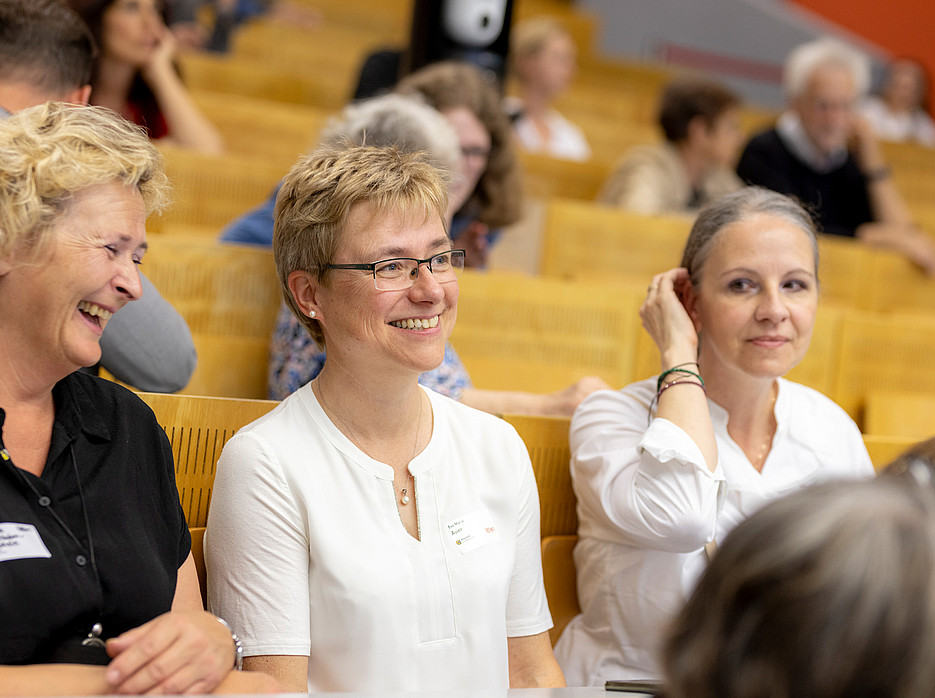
pixel 899 113
pixel 543 59
pixel 826 593
pixel 134 73
pixel 825 155
pixel 46 53
pixel 701 123
pixel 487 179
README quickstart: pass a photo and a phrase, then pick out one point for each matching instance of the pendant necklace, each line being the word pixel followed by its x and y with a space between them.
pixel 404 492
pixel 403 496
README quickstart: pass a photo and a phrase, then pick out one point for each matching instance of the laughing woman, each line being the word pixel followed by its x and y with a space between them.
pixel 369 534
pixel 664 468
pixel 95 562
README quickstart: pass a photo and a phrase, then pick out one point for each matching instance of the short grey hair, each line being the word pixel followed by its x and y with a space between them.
pixel 827 592
pixel 404 121
pixel 806 58
pixel 738 206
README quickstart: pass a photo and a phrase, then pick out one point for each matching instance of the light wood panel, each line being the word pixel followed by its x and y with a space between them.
pixel 198 427
pixel 518 332
pixel 595 242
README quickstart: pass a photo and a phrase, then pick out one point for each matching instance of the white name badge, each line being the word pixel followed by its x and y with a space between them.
pixel 473 530
pixel 20 541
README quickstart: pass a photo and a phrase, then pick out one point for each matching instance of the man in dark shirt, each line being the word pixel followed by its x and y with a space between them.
pixel 824 155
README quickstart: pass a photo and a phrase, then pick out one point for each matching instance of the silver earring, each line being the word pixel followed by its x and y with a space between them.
pixel 311 313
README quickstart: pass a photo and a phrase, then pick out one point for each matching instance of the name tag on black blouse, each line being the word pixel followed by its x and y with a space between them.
pixel 20 541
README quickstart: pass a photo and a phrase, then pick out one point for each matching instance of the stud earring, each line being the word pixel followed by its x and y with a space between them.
pixel 311 313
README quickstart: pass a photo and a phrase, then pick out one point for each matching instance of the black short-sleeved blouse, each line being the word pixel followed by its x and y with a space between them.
pixel 139 531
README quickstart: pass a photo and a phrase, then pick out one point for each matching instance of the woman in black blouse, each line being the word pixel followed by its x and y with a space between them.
pixel 95 556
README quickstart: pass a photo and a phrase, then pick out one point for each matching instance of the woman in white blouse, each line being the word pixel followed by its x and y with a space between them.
pixel 372 535
pixel 543 60
pixel 667 466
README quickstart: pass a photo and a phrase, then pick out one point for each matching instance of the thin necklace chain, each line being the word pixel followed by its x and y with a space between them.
pixel 761 456
pixel 402 495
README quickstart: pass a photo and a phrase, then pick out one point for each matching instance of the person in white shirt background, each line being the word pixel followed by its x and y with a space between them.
pixel 667 466
pixel 543 61
pixel 898 114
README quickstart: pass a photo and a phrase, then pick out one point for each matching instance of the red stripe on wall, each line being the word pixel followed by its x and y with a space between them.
pixel 721 63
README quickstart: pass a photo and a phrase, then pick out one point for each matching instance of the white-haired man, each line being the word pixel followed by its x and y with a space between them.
pixel 824 154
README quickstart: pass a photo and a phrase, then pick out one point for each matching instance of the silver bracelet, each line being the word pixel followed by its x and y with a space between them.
pixel 238 645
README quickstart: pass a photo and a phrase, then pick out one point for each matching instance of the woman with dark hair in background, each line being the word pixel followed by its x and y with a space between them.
pixel 488 177
pixel 134 73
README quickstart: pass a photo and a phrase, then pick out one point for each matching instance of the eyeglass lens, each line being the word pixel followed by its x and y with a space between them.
pixel 393 274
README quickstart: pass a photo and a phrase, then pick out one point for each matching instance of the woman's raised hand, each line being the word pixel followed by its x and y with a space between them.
pixel 665 318
pixel 160 62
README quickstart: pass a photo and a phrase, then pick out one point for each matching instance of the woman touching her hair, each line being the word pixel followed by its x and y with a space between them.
pixel 667 466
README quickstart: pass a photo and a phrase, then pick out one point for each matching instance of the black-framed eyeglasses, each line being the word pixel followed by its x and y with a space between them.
pixel 401 272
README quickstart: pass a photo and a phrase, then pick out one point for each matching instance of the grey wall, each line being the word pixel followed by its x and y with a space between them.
pixel 759 31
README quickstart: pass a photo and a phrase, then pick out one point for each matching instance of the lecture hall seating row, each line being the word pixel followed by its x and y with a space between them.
pixel 198 428
pixel 518 332
pixel 585 240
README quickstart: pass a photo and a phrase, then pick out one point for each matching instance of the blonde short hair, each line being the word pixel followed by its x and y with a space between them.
pixel 323 187
pixel 50 152
pixel 531 35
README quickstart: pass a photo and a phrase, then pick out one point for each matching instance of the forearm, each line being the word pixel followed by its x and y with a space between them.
pixel 532 663
pixel 686 405
pixel 187 126
pixel 886 203
pixel 885 200
pixel 290 671
pixel 907 240
pixel 503 401
pixel 53 679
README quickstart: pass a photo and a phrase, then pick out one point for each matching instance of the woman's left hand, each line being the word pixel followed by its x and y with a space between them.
pixel 177 652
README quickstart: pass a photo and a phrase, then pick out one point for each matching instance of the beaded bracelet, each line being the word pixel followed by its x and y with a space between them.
pixel 678 369
pixel 680 382
pixel 665 387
